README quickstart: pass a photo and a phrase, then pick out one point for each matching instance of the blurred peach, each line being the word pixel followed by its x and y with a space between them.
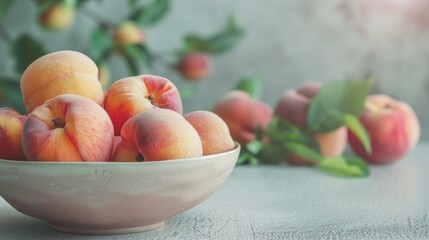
pixel 104 75
pixel 243 114
pixel 128 33
pixel 393 128
pixel 194 66
pixel 58 16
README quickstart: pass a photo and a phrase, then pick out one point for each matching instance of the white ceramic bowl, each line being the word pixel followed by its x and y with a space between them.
pixel 110 198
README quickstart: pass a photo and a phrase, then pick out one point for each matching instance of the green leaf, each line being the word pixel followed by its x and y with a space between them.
pixel 333 101
pixel 25 49
pixel 303 151
pixel 218 43
pixel 251 85
pixel 100 44
pixel 4 6
pixel 285 139
pixel 355 126
pixel 138 58
pixel 254 147
pixel 151 13
pixel 246 158
pixel 259 132
pixel 351 167
pixel 132 65
pixel 10 94
pixel 280 131
pixel 80 3
pixel 132 3
pixel 272 153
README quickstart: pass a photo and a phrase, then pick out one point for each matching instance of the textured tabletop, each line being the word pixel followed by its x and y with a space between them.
pixel 282 202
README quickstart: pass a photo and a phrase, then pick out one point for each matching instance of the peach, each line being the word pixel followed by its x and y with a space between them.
pixel 11 124
pixel 128 33
pixel 293 107
pixel 58 16
pixel 68 128
pixel 243 114
pixel 213 131
pixel 393 128
pixel 293 104
pixel 104 76
pixel 157 134
pixel 60 73
pixel 194 66
pixel 132 95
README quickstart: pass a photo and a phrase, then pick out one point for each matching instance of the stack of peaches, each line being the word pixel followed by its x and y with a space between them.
pixel 71 119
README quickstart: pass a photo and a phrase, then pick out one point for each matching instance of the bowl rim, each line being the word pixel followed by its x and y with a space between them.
pixel 237 148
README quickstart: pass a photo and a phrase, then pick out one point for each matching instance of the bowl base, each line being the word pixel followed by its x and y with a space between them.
pixel 106 231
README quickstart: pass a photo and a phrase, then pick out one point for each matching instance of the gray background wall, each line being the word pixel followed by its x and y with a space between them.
pixel 287 43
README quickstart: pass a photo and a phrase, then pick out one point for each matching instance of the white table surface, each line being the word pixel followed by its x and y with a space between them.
pixel 282 202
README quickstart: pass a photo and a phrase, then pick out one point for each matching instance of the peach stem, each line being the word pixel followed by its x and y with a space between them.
pixel 150 98
pixel 139 157
pixel 57 123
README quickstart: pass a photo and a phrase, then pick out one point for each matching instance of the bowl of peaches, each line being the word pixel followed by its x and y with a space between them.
pixel 93 162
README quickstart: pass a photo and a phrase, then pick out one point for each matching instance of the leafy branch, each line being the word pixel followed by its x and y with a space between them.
pixel 57 15
pixel 337 104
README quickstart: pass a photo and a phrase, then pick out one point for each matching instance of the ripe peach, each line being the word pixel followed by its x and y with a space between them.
pixel 213 131
pixel 392 126
pixel 132 95
pixel 58 16
pixel 242 114
pixel 68 128
pixel 127 33
pixel 104 76
pixel 194 66
pixel 11 124
pixel 293 107
pixel 60 73
pixel 157 134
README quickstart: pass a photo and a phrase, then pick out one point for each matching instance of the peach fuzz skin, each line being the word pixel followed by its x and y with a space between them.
pixel 194 66
pixel 293 107
pixel 213 131
pixel 392 126
pixel 155 135
pixel 11 125
pixel 60 73
pixel 132 95
pixel 243 114
pixel 68 128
